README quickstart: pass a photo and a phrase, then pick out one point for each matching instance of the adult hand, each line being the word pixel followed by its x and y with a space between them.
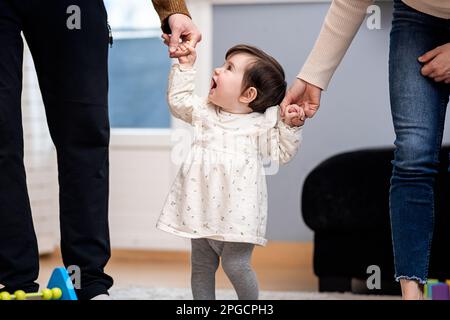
pixel 182 28
pixel 305 95
pixel 437 63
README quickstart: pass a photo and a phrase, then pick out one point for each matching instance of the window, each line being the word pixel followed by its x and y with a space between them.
pixel 138 66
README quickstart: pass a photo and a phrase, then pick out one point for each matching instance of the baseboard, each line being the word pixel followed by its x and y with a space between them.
pixel 276 253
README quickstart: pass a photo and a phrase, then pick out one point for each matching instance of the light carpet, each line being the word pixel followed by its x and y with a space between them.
pixel 135 293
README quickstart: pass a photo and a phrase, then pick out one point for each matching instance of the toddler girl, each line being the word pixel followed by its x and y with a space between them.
pixel 219 197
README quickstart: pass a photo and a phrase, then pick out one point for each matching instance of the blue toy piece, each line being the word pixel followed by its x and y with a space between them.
pixel 60 279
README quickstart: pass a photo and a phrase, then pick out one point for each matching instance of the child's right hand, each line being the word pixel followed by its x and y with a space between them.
pixel 185 52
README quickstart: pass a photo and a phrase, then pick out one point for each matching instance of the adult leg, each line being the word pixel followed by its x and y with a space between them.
pixel 70 49
pixel 418 107
pixel 204 262
pixel 236 262
pixel 19 261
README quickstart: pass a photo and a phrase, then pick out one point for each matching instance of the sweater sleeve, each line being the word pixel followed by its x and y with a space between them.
pixel 180 94
pixel 166 8
pixel 338 30
pixel 288 141
pixel 277 141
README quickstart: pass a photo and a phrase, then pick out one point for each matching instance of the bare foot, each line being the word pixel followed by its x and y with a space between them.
pixel 411 290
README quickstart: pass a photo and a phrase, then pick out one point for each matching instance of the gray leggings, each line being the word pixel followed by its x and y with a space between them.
pixel 235 258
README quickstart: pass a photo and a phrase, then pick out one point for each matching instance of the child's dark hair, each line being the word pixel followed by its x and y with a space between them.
pixel 265 74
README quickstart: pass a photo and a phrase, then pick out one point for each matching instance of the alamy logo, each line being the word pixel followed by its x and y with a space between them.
pixel 75 276
pixel 74 20
pixel 374 20
pixel 374 280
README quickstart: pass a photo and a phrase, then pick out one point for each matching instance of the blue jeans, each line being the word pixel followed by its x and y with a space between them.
pixel 418 106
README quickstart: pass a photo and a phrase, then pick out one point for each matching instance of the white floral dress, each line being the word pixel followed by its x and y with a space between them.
pixel 220 191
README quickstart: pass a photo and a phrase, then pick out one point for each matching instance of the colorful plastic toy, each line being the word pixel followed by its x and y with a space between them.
pixel 436 290
pixel 440 291
pixel 427 288
pixel 60 284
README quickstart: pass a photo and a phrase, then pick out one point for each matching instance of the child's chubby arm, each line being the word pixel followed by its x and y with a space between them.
pixel 180 93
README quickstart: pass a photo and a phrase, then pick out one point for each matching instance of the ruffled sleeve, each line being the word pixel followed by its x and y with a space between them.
pixel 278 141
pixel 183 103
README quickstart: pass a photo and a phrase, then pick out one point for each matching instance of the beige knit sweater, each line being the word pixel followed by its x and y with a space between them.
pixel 340 27
pixel 165 8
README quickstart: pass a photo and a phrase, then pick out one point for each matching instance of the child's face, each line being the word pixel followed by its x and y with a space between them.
pixel 226 84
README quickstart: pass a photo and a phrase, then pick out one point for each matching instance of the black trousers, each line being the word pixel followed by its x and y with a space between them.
pixel 72 69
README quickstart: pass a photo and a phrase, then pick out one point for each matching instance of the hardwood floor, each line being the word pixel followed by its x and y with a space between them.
pixel 281 266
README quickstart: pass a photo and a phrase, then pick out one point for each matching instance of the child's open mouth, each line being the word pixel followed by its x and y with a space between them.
pixel 213 84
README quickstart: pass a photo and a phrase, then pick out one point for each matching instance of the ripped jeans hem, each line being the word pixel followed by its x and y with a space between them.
pixel 420 280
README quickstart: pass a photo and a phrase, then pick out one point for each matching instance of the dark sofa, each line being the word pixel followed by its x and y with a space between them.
pixel 345 201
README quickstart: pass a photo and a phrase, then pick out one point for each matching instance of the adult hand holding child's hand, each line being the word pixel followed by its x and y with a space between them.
pixel 185 52
pixel 304 94
pixel 183 29
pixel 294 115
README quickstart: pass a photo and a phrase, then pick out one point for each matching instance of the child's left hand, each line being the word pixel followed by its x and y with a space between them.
pixel 188 54
pixel 294 115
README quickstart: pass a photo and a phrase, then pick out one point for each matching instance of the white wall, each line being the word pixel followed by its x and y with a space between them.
pixel 141 175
